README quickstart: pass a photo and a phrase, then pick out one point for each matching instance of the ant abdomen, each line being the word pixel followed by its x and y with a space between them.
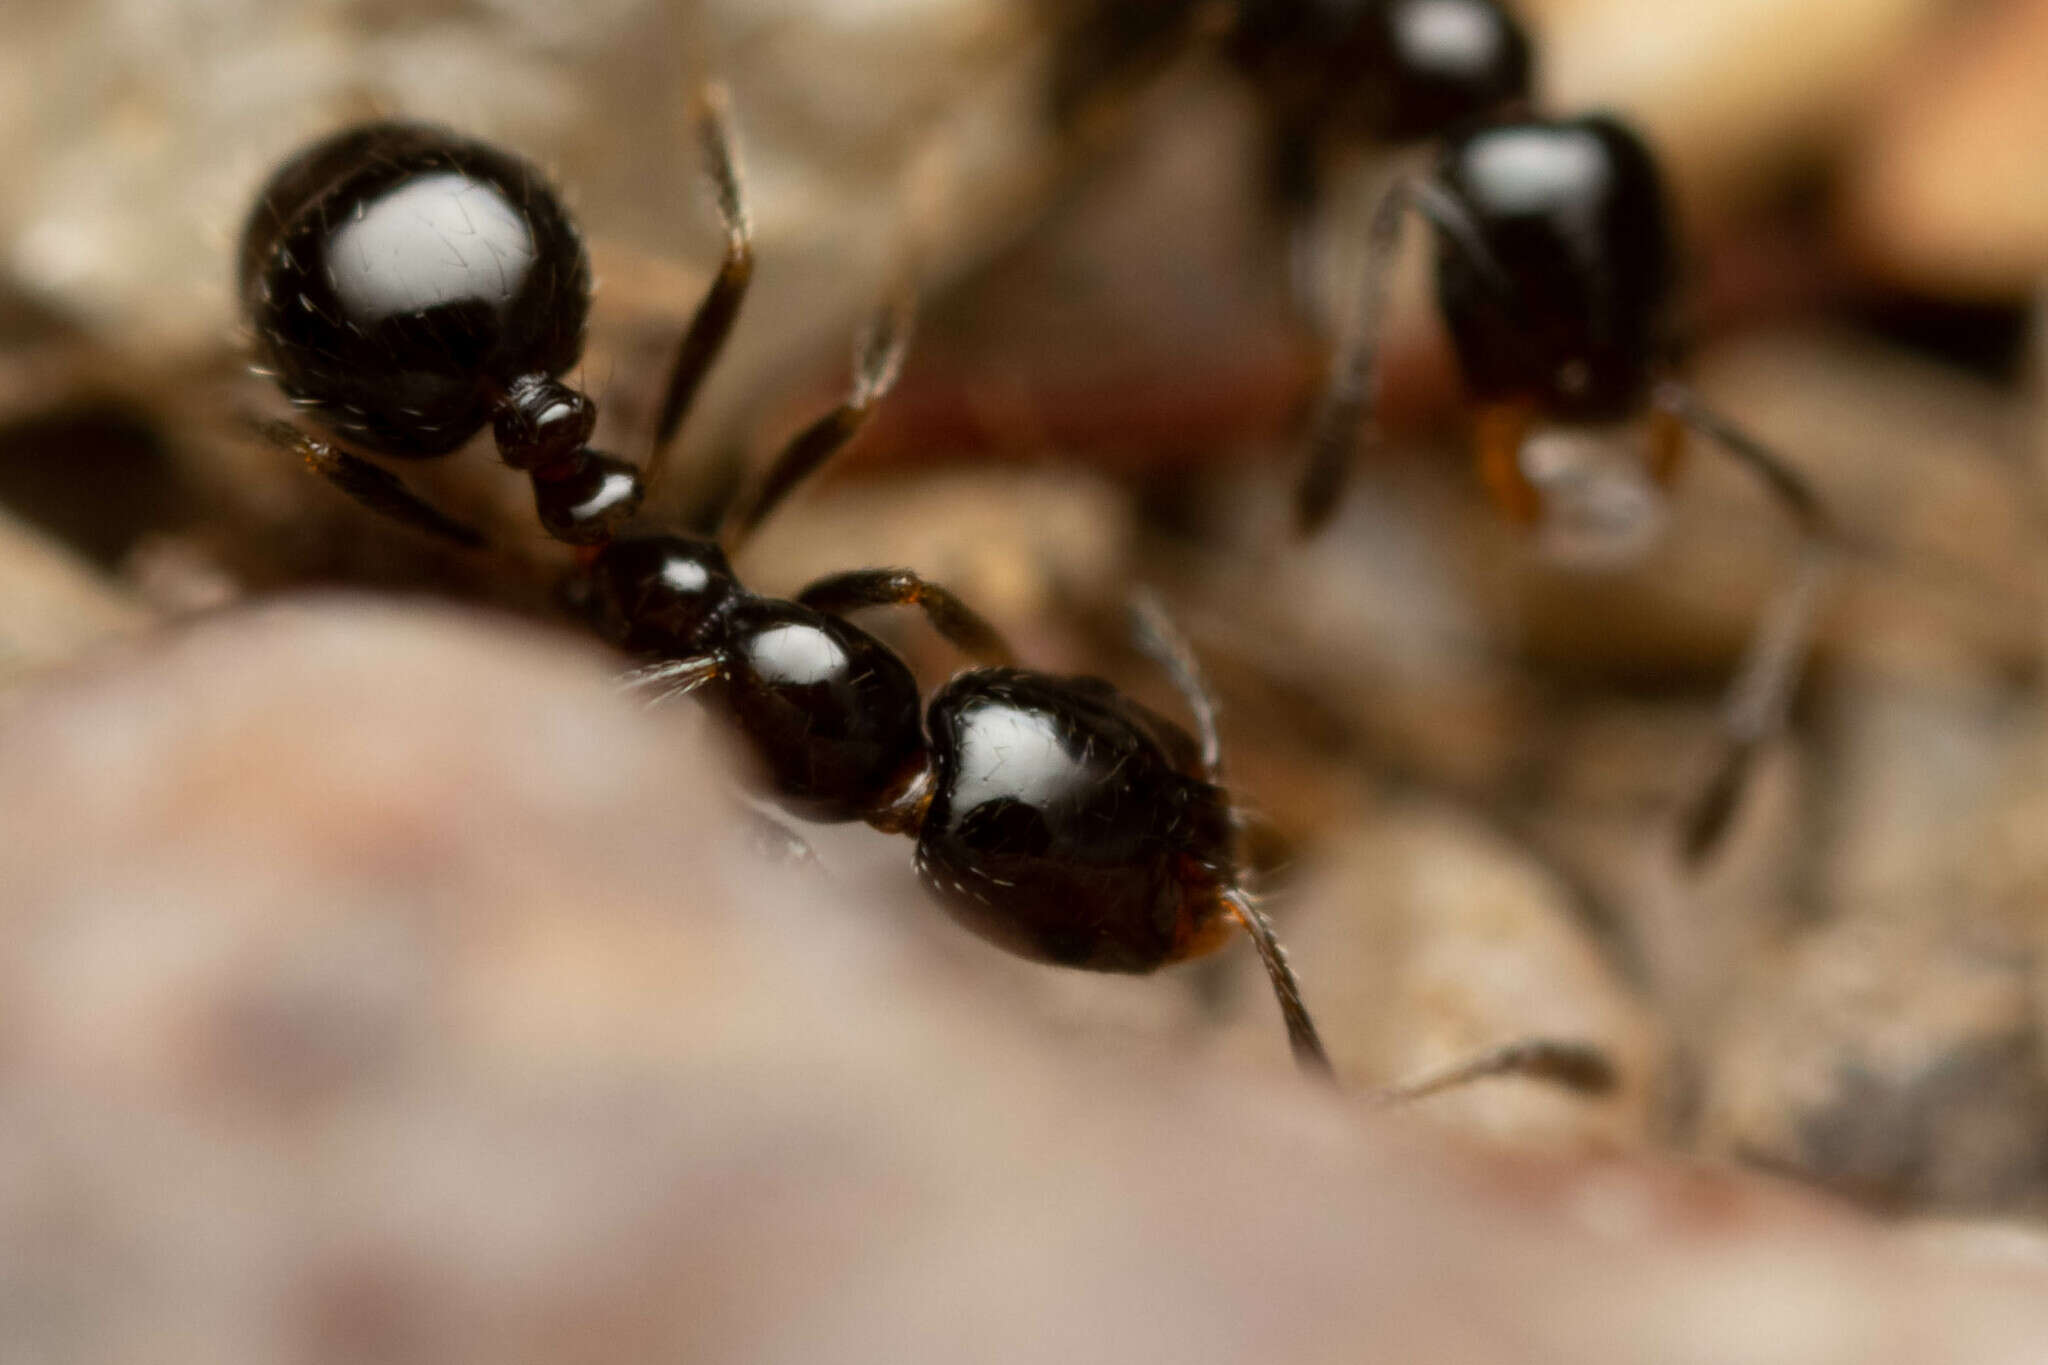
pixel 402 280
pixel 1061 827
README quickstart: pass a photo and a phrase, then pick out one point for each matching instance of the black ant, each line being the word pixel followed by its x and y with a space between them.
pixel 1555 270
pixel 408 286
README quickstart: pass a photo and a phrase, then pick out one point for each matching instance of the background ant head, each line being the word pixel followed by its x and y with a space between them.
pixel 401 279
pixel 1560 293
pixel 1386 69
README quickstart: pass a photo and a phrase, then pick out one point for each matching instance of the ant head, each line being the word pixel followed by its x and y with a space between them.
pixel 402 280
pixel 660 594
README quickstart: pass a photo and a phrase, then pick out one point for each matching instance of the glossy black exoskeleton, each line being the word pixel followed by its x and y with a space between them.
pixel 1063 796
pixel 1566 304
pixel 407 286
pixel 403 280
pixel 1053 816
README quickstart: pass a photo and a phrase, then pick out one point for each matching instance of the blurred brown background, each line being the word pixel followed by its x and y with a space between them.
pixel 377 986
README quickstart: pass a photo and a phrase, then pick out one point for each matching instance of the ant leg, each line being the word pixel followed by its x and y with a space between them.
pixel 1574 1065
pixel 877 360
pixel 1351 395
pixel 1160 640
pixel 1301 1029
pixel 670 678
pixel 1754 712
pixel 1351 390
pixel 714 318
pixel 959 624
pixel 1779 477
pixel 369 485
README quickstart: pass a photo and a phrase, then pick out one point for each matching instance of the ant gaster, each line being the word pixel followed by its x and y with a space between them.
pixel 408 286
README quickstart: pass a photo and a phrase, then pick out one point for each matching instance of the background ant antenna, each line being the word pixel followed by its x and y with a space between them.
pixel 878 353
pixel 712 120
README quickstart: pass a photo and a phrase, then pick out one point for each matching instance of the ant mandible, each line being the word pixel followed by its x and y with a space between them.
pixel 408 286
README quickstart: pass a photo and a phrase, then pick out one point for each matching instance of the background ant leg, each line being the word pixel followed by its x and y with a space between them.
pixel 877 361
pixel 1302 1037
pixel 1348 398
pixel 1576 1066
pixel 1761 692
pixel 1778 475
pixel 1754 712
pixel 1348 402
pixel 369 485
pixel 670 678
pixel 713 320
pixel 1160 640
pixel 959 624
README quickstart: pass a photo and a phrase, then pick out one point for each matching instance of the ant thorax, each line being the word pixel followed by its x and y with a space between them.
pixel 1602 502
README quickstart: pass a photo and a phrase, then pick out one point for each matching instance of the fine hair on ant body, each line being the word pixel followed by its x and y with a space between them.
pixel 408 286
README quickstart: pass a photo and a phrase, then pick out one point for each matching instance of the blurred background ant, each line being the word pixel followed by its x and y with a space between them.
pixel 1556 266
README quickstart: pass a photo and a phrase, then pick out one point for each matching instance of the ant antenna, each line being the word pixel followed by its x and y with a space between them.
pixel 1160 640
pixel 1350 395
pixel 1302 1037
